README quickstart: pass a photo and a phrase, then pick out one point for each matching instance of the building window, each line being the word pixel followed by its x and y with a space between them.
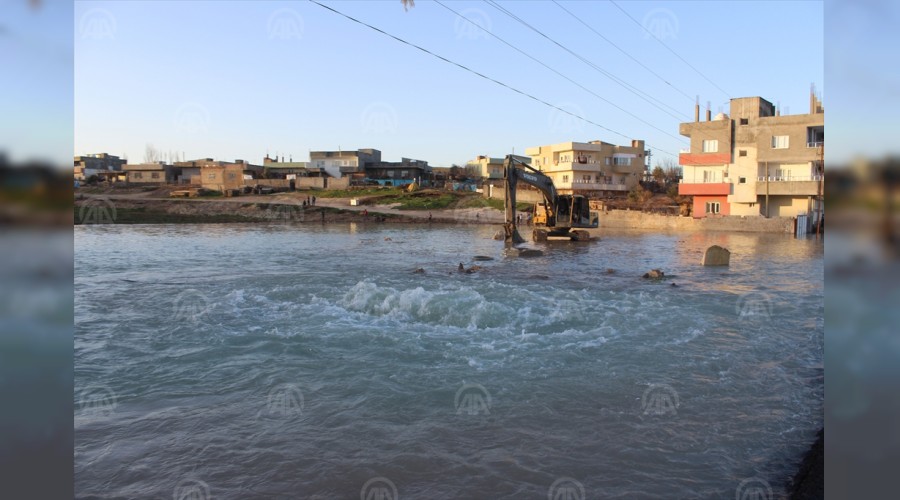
pixel 138 175
pixel 565 178
pixel 745 121
pixel 780 142
pixel 711 146
pixel 621 161
pixel 231 175
pixel 742 152
pixel 211 177
pixel 606 160
pixel 742 180
pixel 586 178
pixel 404 173
pixel 154 175
pixel 710 176
pixel 712 207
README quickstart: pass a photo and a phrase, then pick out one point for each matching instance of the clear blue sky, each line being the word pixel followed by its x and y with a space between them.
pixel 237 79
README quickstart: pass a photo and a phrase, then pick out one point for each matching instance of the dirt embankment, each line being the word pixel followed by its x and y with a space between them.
pixel 150 208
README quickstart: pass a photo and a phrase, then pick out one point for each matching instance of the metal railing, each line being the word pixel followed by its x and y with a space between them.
pixel 815 144
pixel 790 178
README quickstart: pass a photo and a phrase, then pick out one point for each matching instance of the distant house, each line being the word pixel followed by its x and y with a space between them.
pixel 406 171
pixel 149 173
pixel 490 169
pixel 103 165
pixel 341 163
pixel 274 169
pixel 197 172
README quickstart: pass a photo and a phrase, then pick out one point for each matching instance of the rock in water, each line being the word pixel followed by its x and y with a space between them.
pixel 482 257
pixel 528 252
pixel 716 256
pixel 654 274
pixel 499 236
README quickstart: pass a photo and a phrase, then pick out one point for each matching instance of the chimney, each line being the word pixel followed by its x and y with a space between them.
pixel 815 103
pixel 697 109
pixel 708 112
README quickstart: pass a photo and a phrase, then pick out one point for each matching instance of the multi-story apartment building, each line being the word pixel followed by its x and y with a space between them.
pixel 594 168
pixel 755 161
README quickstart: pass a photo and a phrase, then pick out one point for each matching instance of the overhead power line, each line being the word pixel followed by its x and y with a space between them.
pixel 669 48
pixel 627 86
pixel 488 32
pixel 620 49
pixel 442 58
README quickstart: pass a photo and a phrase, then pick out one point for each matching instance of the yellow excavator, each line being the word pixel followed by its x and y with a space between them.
pixel 558 217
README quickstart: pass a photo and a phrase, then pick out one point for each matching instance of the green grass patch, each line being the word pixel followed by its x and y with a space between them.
pixel 356 192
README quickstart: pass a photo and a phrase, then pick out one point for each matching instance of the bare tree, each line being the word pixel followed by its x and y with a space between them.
pixel 151 154
pixel 671 169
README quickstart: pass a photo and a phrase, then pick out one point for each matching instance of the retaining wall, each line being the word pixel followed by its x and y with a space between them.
pixel 630 219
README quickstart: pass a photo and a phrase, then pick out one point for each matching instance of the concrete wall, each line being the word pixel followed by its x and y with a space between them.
pixel 310 182
pixel 625 219
pixel 274 183
pixel 333 183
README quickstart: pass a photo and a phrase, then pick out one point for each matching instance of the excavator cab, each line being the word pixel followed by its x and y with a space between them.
pixel 571 211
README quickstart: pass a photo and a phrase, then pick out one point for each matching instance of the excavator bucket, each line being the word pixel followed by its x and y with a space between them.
pixel 512 234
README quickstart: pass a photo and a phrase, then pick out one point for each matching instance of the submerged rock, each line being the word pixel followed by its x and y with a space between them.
pixel 716 256
pixel 654 274
pixel 482 257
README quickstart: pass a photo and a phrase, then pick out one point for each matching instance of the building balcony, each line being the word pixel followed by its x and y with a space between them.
pixel 795 185
pixel 703 188
pixel 566 166
pixel 815 144
pixel 591 186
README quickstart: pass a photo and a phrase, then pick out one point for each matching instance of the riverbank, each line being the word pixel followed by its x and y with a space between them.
pixel 144 208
